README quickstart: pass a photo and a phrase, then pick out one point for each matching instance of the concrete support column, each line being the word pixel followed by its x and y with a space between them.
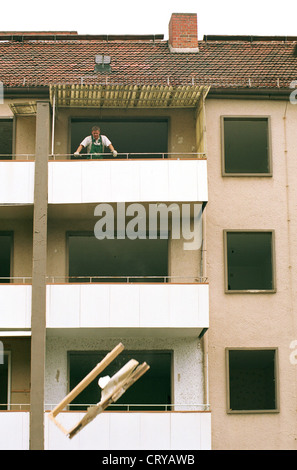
pixel 38 316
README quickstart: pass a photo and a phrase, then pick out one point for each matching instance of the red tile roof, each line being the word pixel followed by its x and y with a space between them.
pixel 220 63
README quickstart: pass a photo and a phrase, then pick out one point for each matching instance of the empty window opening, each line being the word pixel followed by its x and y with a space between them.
pixel 6 139
pixel 142 137
pixel 250 261
pixel 115 260
pixel 252 380
pixel 246 146
pixel 5 256
pixel 153 388
pixel 5 381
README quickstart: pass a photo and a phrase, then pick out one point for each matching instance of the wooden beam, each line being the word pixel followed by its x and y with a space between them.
pixel 88 379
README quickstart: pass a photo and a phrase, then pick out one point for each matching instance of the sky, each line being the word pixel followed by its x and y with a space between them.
pixel 223 17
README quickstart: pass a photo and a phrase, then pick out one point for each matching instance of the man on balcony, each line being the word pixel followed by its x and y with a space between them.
pixel 95 145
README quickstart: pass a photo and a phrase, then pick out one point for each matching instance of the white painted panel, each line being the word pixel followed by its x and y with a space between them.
pixel 184 308
pixel 96 181
pixel 203 305
pixel 15 306
pixel 14 430
pixel 154 180
pixel 186 431
pixel 183 180
pixel 155 431
pixel 202 181
pixel 63 306
pixel 17 182
pixel 127 181
pixel 124 431
pixel 154 306
pixel 124 305
pixel 205 420
pixel 132 431
pixel 65 181
pixel 95 302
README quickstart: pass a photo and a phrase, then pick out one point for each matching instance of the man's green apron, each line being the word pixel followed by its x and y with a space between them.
pixel 96 149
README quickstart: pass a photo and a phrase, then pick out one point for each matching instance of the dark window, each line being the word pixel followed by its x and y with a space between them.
pixel 246 146
pixel 252 380
pixel 153 388
pixel 127 136
pixel 5 256
pixel 6 133
pixel 250 261
pixel 140 259
pixel 4 380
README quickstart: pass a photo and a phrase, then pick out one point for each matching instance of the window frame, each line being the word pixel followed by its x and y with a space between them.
pixel 276 381
pixel 249 291
pixel 269 151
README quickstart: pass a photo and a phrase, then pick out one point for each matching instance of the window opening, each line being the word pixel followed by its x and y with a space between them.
pixel 154 388
pixel 142 137
pixel 6 139
pixel 249 261
pixel 142 260
pixel 252 380
pixel 5 256
pixel 5 381
pixel 246 146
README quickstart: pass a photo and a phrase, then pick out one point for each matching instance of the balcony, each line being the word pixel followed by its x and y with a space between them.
pixel 15 305
pixel 153 431
pixel 177 178
pixel 158 309
pixel 17 182
pixel 127 180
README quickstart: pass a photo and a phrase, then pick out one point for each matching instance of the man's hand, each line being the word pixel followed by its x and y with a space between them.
pixel 76 154
pixel 115 153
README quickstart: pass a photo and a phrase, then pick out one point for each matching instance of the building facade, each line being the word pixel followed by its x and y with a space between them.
pixel 180 247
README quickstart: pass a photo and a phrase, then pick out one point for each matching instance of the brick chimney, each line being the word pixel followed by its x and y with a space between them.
pixel 183 35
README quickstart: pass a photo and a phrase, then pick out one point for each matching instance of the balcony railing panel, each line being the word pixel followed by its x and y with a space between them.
pixel 153 431
pixel 15 306
pixel 14 430
pixel 16 182
pixel 143 180
pixel 143 431
pixel 175 307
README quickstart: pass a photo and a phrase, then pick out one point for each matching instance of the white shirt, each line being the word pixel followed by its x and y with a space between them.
pixel 87 142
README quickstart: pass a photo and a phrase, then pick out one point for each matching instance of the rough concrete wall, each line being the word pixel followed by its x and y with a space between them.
pixel 187 364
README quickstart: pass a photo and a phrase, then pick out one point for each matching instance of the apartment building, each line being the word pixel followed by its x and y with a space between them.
pixel 180 246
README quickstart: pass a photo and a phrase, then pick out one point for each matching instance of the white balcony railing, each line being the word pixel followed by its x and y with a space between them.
pixel 17 182
pixel 178 179
pixel 141 180
pixel 164 308
pixel 15 305
pixel 142 431
pixel 134 431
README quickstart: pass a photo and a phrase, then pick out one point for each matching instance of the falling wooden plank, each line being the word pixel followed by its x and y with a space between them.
pixel 111 392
